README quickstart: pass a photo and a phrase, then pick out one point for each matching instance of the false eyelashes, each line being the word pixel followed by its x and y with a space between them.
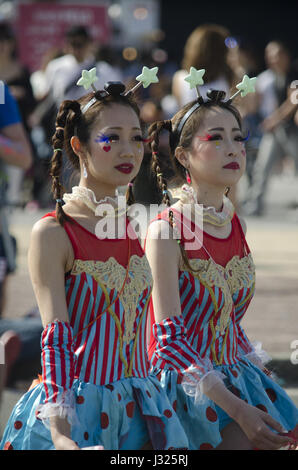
pixel 209 137
pixel 102 138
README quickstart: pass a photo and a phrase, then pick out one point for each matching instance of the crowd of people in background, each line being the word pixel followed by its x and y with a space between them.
pixel 270 115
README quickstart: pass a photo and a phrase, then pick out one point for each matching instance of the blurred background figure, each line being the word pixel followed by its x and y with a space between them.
pixel 244 59
pixel 60 78
pixel 17 77
pixel 15 150
pixel 280 131
pixel 205 49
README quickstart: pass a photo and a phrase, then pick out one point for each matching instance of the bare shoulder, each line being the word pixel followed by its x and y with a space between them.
pixel 48 238
pixel 161 243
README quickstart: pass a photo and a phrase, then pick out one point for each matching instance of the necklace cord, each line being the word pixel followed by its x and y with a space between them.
pixel 118 295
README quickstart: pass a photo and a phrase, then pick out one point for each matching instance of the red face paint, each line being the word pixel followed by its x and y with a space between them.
pixel 106 148
pixel 205 138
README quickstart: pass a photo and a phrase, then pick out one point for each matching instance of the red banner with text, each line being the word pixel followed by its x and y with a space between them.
pixel 41 27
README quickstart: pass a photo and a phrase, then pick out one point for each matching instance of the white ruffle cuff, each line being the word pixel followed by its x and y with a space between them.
pixel 196 386
pixel 258 356
pixel 64 408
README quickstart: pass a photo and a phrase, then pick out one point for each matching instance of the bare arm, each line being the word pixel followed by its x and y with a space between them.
pixel 14 146
pixel 285 111
pixel 48 258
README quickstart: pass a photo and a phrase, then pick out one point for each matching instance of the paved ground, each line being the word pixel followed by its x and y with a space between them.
pixel 272 318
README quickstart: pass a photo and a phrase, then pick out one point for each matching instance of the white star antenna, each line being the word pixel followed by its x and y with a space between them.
pixel 88 79
pixel 246 86
pixel 195 78
pixel 147 77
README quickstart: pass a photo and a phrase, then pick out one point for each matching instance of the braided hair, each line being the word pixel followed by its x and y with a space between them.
pixel 71 121
pixel 183 139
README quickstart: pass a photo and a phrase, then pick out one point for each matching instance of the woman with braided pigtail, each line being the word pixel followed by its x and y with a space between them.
pixel 93 290
pixel 204 280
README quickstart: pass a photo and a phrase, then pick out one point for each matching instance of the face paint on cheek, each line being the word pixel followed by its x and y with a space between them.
pixel 243 152
pixel 103 139
pixel 139 147
pixel 217 145
pixel 205 138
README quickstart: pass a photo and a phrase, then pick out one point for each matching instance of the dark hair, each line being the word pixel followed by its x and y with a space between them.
pixel 6 32
pixel 77 30
pixel 71 122
pixel 183 139
pixel 206 48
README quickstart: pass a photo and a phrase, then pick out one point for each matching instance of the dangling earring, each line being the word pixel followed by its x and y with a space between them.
pixel 85 174
pixel 188 178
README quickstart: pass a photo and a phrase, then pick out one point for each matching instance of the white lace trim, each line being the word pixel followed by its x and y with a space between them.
pixel 258 356
pixel 198 388
pixel 64 408
pixel 87 196
pixel 189 196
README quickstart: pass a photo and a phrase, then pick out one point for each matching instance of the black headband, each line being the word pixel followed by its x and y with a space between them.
pixel 215 97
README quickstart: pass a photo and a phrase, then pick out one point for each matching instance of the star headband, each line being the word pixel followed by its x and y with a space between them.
pixel 89 77
pixel 195 78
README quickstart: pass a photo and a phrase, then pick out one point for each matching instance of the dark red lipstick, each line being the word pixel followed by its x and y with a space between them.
pixel 232 166
pixel 125 168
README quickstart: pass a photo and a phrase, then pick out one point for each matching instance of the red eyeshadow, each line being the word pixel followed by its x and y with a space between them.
pixel 206 137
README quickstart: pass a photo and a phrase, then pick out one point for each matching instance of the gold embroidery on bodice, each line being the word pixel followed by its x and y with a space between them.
pixel 112 275
pixel 238 273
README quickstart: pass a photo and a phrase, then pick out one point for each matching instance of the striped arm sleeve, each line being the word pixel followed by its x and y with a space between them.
pixel 173 351
pixel 58 366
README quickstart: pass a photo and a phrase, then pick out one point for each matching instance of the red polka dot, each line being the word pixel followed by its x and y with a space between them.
pixel 211 414
pixel 271 394
pixel 175 405
pixel 8 446
pixel 130 409
pixel 18 424
pixel 262 407
pixel 185 407
pixel 119 397
pixel 168 413
pixel 206 446
pixel 149 394
pixel 80 400
pixel 110 387
pixel 234 373
pixel 235 391
pixel 86 436
pixel 104 420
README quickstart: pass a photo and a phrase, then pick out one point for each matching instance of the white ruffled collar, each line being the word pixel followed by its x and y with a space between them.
pixel 87 196
pixel 210 215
